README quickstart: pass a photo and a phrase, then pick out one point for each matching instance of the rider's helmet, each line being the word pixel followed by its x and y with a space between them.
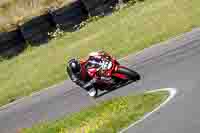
pixel 75 66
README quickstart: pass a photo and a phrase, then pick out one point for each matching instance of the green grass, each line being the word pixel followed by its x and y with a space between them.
pixel 14 12
pixel 129 30
pixel 107 117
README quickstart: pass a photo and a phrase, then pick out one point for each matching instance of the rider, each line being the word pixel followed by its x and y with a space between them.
pixel 77 72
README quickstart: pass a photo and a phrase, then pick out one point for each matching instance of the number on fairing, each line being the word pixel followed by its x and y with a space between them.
pixel 107 65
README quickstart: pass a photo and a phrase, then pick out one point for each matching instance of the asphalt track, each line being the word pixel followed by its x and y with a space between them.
pixel 174 64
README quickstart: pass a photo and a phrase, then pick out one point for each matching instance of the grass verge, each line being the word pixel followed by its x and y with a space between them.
pixel 107 117
pixel 129 30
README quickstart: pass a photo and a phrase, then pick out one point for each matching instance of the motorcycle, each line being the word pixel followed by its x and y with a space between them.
pixel 109 73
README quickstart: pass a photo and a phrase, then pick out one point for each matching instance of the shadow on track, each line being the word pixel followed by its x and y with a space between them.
pixel 115 87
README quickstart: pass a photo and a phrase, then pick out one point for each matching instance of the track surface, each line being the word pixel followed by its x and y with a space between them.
pixel 175 64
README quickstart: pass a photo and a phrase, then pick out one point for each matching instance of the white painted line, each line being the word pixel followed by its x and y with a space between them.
pixel 172 93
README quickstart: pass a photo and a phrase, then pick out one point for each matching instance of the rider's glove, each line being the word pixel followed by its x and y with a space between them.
pixel 93 80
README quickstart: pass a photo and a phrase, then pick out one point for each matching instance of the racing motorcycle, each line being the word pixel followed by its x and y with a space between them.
pixel 109 73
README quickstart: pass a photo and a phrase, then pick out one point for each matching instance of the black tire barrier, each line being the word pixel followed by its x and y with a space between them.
pixel 35 32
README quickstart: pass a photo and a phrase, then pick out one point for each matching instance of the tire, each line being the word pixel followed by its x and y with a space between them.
pixel 132 75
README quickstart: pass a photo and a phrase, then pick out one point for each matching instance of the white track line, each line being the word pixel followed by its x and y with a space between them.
pixel 172 93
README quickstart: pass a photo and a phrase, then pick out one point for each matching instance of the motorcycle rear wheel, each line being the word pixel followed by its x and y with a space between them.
pixel 132 75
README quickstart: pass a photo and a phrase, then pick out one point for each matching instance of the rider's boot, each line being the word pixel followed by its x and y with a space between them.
pixel 92 92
